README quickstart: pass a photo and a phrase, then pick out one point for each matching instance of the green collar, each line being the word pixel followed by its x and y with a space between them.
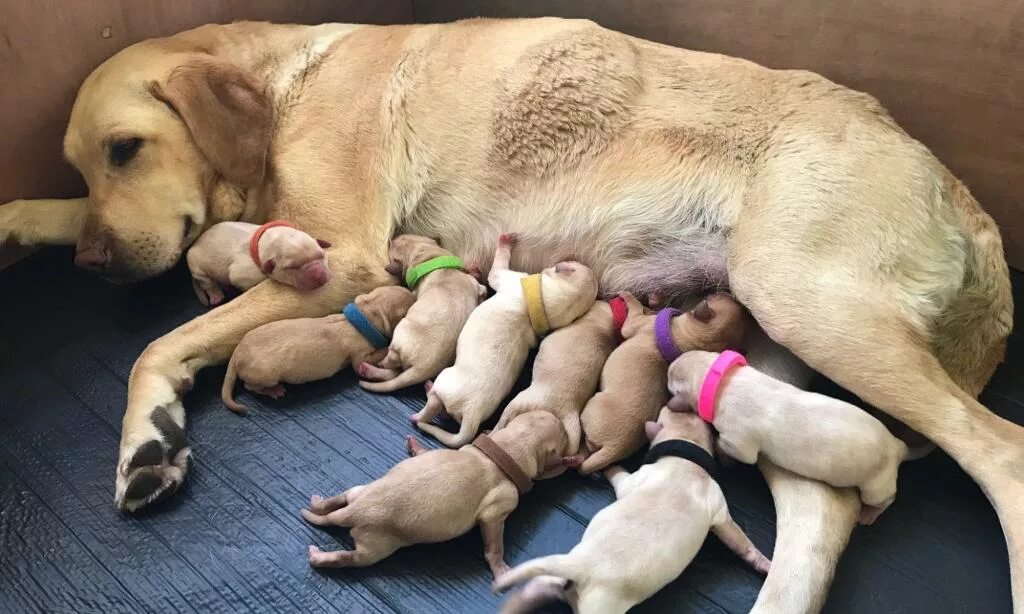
pixel 421 270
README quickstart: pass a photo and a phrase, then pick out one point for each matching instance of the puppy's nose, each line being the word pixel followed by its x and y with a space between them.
pixel 92 258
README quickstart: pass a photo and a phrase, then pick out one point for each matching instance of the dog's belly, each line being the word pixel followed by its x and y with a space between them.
pixel 642 247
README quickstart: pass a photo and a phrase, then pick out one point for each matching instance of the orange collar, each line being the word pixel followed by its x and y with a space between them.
pixel 254 241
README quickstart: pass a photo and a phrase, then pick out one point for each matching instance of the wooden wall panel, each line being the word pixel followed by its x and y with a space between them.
pixel 47 47
pixel 951 72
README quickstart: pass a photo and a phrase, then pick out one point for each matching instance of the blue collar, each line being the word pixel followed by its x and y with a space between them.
pixel 364 326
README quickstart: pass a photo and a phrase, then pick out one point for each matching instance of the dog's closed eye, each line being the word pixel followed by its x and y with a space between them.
pixel 122 151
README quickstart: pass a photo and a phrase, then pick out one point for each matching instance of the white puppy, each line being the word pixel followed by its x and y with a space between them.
pixel 647 537
pixel 498 335
pixel 810 434
pixel 242 255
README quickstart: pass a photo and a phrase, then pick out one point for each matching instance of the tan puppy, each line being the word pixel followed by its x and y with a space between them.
pixel 221 257
pixel 438 495
pixel 647 537
pixel 306 349
pixel 633 378
pixel 567 370
pixel 496 339
pixel 810 434
pixel 424 342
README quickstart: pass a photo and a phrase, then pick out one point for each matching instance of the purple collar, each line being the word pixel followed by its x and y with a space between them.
pixel 663 334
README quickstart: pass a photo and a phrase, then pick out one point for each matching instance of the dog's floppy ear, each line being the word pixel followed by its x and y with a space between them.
pixel 228 112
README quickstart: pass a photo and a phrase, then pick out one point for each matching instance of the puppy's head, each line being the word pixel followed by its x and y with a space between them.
pixel 679 425
pixel 550 442
pixel 154 131
pixel 569 289
pixel 293 257
pixel 717 323
pixel 385 306
pixel 685 376
pixel 406 251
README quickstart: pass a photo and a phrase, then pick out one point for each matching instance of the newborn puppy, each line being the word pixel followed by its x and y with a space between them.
pixel 633 379
pixel 424 342
pixel 807 433
pixel 438 495
pixel 307 349
pixel 242 255
pixel 567 369
pixel 497 337
pixel 647 537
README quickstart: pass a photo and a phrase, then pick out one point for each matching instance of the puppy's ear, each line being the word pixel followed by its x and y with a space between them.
pixel 268 267
pixel 703 312
pixel 678 403
pixel 323 244
pixel 228 112
pixel 435 240
pixel 651 429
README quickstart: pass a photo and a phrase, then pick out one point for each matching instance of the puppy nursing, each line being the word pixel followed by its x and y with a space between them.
pixel 633 379
pixel 567 369
pixel 306 349
pixel 438 495
pixel 807 433
pixel 242 255
pixel 647 537
pixel 424 342
pixel 498 335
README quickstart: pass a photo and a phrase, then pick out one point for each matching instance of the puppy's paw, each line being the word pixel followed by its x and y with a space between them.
pixel 508 238
pixel 152 469
pixel 413 446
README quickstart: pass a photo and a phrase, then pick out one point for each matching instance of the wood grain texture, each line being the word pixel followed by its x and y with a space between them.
pixel 951 72
pixel 232 539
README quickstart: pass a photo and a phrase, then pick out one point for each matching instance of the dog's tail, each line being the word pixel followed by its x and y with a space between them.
pixel 228 388
pixel 467 431
pixel 561 565
pixel 412 375
pixel 537 593
pixel 598 460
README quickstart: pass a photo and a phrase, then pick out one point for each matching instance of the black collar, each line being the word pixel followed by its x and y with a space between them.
pixel 686 450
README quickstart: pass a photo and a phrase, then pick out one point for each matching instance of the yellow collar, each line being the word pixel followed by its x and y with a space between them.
pixel 535 304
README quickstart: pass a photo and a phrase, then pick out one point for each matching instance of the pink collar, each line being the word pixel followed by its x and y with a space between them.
pixel 713 381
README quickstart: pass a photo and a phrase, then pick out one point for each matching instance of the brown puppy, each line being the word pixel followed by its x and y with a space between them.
pixel 424 342
pixel 633 381
pixel 438 495
pixel 567 370
pixel 302 350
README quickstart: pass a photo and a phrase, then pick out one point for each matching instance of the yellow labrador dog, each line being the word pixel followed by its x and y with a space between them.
pixel 660 168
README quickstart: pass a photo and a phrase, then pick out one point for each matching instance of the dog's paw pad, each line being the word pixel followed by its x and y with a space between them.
pixel 156 468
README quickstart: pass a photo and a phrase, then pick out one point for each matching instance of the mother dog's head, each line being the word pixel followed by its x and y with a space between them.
pixel 153 131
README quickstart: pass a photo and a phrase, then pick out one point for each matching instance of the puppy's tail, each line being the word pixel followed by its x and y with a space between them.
pixel 410 376
pixel 598 460
pixel 228 388
pixel 467 431
pixel 561 565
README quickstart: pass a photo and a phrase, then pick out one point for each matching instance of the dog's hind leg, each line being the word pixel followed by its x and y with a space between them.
pixel 813 523
pixel 863 318
pixel 372 545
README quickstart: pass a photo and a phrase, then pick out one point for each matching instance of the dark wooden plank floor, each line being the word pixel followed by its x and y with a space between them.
pixel 232 539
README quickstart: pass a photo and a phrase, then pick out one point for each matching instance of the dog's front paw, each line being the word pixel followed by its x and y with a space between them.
pixel 152 469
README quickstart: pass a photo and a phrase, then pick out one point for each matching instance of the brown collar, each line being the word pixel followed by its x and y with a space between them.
pixel 506 463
